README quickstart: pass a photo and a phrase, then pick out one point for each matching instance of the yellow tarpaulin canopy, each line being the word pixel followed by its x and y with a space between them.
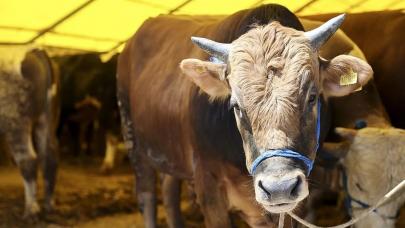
pixel 104 25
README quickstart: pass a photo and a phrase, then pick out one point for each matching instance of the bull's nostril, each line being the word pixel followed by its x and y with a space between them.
pixel 294 190
pixel 280 190
pixel 264 189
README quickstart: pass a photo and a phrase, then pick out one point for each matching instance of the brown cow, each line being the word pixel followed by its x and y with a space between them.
pixel 272 77
pixel 29 116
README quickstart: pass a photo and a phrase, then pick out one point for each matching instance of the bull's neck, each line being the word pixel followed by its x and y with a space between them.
pixel 216 130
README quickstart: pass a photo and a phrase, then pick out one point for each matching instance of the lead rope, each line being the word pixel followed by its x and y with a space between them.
pixel 352 221
pixel 281 220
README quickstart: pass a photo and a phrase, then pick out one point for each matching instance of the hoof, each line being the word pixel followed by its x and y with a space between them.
pixel 32 212
pixel 106 168
pixel 49 206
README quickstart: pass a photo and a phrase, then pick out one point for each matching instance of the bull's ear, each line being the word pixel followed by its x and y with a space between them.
pixel 344 74
pixel 340 149
pixel 210 77
pixel 337 150
pixel 346 133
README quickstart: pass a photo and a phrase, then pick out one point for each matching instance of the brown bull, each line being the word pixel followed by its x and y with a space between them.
pixel 28 118
pixel 270 75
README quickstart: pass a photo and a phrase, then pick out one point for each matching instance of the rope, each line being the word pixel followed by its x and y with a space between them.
pixel 384 199
pixel 281 220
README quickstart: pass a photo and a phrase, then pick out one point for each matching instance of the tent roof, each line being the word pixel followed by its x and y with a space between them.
pixel 104 25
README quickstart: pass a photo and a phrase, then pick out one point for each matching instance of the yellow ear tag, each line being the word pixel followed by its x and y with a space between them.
pixel 200 69
pixel 348 79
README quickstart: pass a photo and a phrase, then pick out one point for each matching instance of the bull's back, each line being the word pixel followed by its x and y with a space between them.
pixel 159 96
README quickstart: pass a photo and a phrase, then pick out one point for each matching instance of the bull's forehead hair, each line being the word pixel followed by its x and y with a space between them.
pixel 272 65
pixel 266 49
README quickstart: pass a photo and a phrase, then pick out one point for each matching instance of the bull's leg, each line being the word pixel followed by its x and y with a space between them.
pixel 145 175
pixel 21 147
pixel 211 198
pixel 110 152
pixel 83 138
pixel 171 189
pixel 46 146
pixel 145 188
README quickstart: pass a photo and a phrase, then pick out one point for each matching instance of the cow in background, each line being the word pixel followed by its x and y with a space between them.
pixel 29 114
pixel 373 164
pixel 90 118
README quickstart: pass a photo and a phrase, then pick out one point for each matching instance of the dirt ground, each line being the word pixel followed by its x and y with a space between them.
pixel 86 198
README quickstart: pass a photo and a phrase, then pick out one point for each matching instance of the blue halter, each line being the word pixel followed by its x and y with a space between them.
pixel 289 153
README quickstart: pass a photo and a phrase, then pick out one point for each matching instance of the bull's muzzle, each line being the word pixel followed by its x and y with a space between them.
pixel 280 192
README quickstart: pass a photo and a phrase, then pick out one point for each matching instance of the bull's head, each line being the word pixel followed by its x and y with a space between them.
pixel 273 77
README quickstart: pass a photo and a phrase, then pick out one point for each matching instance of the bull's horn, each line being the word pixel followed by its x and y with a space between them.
pixel 320 35
pixel 218 50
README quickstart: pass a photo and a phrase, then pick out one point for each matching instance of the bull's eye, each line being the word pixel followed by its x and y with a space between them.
pixel 241 116
pixel 232 104
pixel 312 99
pixel 238 111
